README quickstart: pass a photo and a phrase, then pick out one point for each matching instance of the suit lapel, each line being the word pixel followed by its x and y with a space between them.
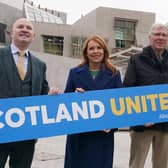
pixel 35 75
pixel 86 78
pixel 103 78
pixel 9 66
pixel 99 82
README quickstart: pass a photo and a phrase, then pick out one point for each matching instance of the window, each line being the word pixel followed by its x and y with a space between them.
pixel 38 16
pixel 53 44
pixel 41 15
pixel 124 32
pixel 2 32
pixel 30 12
pixel 77 44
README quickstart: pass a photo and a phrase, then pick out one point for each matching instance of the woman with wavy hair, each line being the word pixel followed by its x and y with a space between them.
pixel 95 72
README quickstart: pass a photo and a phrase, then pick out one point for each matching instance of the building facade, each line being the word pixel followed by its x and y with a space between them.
pixel 120 28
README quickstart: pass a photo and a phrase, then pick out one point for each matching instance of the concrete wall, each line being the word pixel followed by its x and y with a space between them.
pixel 8 15
pixel 86 25
pixel 14 3
pixel 57 68
pixel 143 27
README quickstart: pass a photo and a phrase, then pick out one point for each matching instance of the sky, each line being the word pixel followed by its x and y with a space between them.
pixel 76 8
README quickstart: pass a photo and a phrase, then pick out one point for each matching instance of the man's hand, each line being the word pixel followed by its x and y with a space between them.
pixel 149 124
pixel 54 91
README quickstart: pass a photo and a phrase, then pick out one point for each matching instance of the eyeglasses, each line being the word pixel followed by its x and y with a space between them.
pixel 160 34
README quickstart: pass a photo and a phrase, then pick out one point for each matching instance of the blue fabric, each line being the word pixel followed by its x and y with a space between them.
pixel 92 149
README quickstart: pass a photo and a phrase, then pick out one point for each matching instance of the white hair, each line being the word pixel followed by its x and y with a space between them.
pixel 157 25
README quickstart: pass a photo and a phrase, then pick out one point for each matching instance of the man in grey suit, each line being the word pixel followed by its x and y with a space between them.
pixel 29 81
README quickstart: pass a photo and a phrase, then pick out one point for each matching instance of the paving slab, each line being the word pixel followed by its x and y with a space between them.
pixel 50 152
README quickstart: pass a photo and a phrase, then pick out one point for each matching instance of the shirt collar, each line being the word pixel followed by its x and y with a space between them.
pixel 15 50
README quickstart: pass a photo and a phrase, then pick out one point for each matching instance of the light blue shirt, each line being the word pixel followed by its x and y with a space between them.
pixel 15 52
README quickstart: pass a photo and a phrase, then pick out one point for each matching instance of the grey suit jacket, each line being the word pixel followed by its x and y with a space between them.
pixel 7 81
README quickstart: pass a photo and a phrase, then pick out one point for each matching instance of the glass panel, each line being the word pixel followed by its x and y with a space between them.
pixel 45 17
pixel 30 12
pixel 76 45
pixel 124 33
pixel 53 44
pixel 40 15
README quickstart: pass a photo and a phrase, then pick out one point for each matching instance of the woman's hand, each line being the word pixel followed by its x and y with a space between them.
pixel 81 90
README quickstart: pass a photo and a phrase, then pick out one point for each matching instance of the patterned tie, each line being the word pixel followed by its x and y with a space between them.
pixel 20 64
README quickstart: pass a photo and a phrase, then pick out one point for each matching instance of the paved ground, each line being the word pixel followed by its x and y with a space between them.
pixel 50 152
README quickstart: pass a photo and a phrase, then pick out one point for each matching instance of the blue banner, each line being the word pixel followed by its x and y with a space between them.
pixel 44 116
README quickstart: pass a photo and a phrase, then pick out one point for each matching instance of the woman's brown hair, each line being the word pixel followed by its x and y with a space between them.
pixel 102 43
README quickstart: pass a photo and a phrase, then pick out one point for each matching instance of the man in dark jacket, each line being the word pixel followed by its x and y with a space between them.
pixel 150 67
pixel 20 75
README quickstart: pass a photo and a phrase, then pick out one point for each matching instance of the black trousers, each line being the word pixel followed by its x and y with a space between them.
pixel 20 154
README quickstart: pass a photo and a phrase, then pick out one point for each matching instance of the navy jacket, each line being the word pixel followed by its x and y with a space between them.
pixel 90 149
pixel 80 77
